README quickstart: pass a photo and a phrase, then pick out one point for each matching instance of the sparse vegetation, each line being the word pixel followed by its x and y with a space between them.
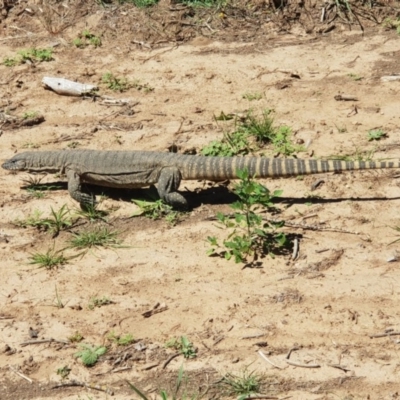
pixel 97 302
pixel 49 260
pixel 35 188
pixel 392 23
pixel 64 371
pixel 156 210
pixel 120 340
pixel 252 96
pixel 58 300
pixel 243 385
pixel 184 346
pixel 355 77
pixel 179 392
pixel 249 235
pixel 30 55
pixel 376 134
pixel 92 213
pixel 58 220
pixel 250 134
pixel 119 84
pixel 89 354
pixel 76 337
pixel 98 237
pixel 30 115
pixel 87 38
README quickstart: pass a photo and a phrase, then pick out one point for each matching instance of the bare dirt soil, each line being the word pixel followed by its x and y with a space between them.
pixel 328 303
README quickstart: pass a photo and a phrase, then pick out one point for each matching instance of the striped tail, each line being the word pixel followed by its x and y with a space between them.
pixel 220 168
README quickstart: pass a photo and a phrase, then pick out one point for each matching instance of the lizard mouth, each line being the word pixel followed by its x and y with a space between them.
pixel 13 166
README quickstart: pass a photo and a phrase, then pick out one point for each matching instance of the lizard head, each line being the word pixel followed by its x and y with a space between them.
pixel 27 161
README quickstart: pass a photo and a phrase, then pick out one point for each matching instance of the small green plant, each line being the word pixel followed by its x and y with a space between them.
pixel 243 385
pixel 250 133
pixel 30 115
pixel 341 129
pixel 58 300
pixel 392 24
pixel 156 209
pixel 36 55
pixel 92 213
pixel 282 143
pixel 250 236
pixel 64 371
pixel 232 144
pixel 184 346
pixel 35 188
pixel 114 83
pixel 10 62
pixel 49 260
pixel 376 134
pixel 73 145
pixel 180 389
pixel 144 3
pixel 58 220
pixel 30 145
pixel 76 337
pixel 121 340
pixel 99 302
pixel 355 77
pixel 89 354
pixel 29 55
pixel 252 96
pixel 98 237
pixel 87 38
pixel 122 84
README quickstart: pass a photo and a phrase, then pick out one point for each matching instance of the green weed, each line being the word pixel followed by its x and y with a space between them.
pixel 87 38
pixel 355 77
pixel 100 237
pixel 30 115
pixel 392 23
pixel 376 134
pixel 49 260
pixel 29 55
pixel 89 354
pixel 232 144
pixel 64 372
pixel 96 302
pixel 250 236
pixel 252 96
pixel 91 213
pixel 35 188
pixel 59 220
pixel 58 300
pixel 250 133
pixel 143 3
pixel 121 340
pixel 156 210
pixel 243 385
pixel 183 345
pixel 76 337
pixel 115 83
pixel 178 393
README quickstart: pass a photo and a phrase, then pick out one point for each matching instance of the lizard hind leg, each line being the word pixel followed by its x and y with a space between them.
pixel 167 186
pixel 75 190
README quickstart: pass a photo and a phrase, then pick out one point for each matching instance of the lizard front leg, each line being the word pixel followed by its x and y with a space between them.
pixel 76 192
pixel 167 186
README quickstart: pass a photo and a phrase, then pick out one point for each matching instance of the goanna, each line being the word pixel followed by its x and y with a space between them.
pixel 136 169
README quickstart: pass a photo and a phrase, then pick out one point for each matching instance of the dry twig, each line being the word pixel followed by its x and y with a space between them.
pixel 21 374
pixel 265 358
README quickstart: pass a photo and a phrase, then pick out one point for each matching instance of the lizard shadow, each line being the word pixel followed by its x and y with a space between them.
pixel 213 195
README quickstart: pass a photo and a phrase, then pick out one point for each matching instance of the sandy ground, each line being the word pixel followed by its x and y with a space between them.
pixel 342 288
